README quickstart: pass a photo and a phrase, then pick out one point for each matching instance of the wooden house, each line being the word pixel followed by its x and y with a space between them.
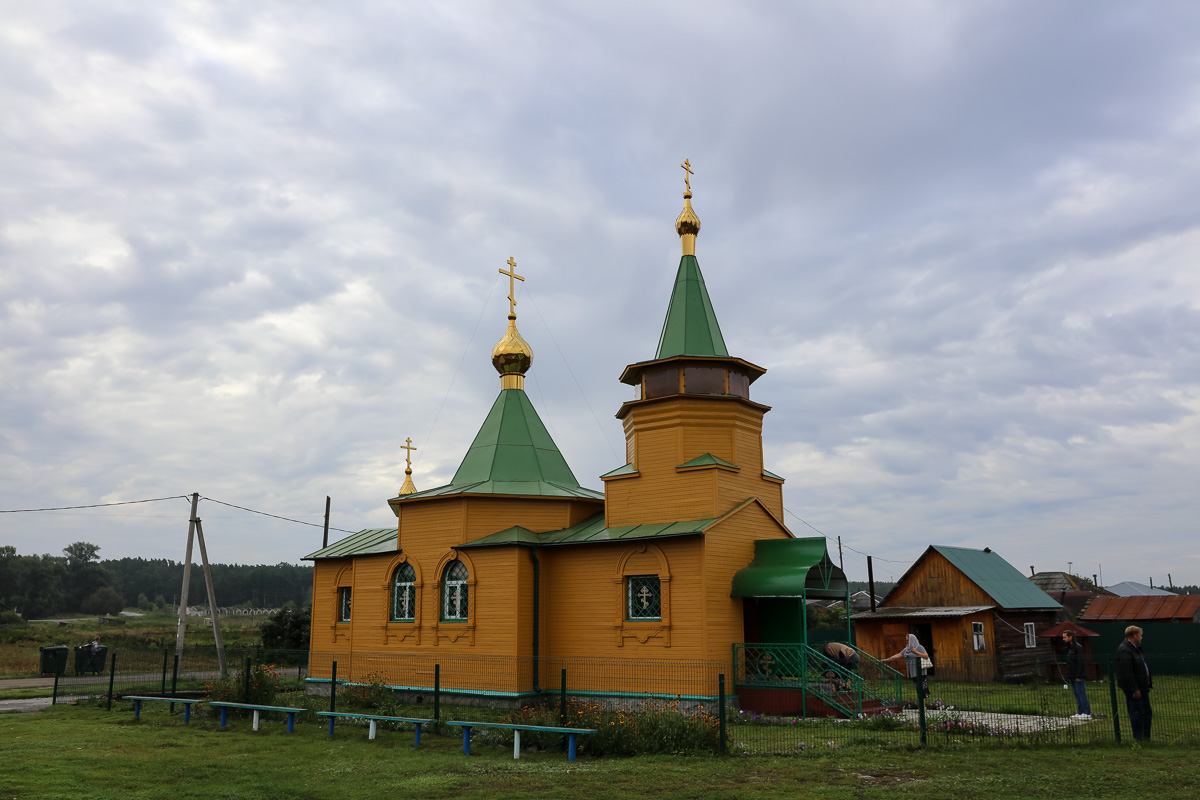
pixel 978 616
pixel 514 570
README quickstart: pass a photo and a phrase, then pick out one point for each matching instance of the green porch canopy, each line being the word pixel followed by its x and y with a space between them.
pixel 790 568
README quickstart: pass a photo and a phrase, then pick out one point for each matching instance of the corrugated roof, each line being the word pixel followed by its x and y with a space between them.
pixel 1133 589
pixel 514 454
pixel 1000 580
pixel 365 542
pixel 1143 607
pixel 903 612
pixel 690 328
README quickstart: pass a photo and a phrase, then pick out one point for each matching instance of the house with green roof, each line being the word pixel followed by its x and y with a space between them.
pixel 979 616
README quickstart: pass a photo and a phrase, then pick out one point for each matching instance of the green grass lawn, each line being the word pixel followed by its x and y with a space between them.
pixel 85 751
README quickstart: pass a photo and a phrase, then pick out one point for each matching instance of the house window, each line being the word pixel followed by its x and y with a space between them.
pixel 977 636
pixel 454 592
pixel 1030 635
pixel 404 594
pixel 643 597
pixel 344 604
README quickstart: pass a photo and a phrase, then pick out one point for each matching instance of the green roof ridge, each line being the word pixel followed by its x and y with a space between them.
pixel 707 460
pixel 690 328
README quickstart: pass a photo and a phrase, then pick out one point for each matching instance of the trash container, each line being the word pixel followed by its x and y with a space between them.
pixel 89 660
pixel 54 659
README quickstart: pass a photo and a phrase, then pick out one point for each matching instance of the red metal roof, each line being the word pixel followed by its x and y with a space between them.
pixel 1057 630
pixel 1143 607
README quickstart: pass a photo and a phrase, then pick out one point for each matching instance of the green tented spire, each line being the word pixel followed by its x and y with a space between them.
pixel 691 327
pixel 513 454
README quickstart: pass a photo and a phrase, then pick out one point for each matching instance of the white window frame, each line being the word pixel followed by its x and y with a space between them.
pixel 1030 635
pixel 455 593
pixel 977 637
pixel 404 586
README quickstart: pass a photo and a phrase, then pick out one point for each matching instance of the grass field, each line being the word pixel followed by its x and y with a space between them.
pixel 85 751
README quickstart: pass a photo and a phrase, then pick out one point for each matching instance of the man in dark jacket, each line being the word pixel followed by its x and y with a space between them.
pixel 1133 676
pixel 1077 675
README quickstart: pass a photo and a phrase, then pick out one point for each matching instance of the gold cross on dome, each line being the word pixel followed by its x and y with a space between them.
pixel 688 173
pixel 511 272
pixel 408 446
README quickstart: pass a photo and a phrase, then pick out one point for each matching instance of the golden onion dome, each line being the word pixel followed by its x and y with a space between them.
pixel 687 224
pixel 512 356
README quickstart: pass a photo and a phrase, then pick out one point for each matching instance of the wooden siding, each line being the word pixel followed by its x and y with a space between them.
pixel 934 581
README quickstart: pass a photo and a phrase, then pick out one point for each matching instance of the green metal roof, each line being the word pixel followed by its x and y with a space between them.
pixel 770 474
pixel 1000 580
pixel 690 328
pixel 789 568
pixel 365 542
pixel 628 469
pixel 513 453
pixel 592 530
pixel 707 460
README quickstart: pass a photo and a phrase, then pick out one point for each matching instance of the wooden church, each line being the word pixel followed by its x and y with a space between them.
pixel 514 564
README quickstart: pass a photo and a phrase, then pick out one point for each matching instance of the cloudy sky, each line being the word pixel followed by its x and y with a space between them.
pixel 247 249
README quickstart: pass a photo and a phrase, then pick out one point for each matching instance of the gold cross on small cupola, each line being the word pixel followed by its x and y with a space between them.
pixel 511 272
pixel 688 173
pixel 408 445
pixel 408 487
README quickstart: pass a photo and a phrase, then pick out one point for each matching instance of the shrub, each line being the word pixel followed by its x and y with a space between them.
pixel 373 694
pixel 656 726
pixel 264 685
pixel 11 618
pixel 288 628
pixel 105 600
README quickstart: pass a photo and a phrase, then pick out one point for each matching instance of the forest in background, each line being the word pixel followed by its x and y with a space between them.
pixel 37 586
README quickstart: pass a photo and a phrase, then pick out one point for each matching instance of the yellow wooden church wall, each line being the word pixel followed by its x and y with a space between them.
pixel 728 547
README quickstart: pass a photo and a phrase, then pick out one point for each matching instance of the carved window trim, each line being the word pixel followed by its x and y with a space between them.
pixel 642 630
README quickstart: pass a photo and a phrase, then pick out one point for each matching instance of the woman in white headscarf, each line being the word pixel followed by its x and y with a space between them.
pixel 912 654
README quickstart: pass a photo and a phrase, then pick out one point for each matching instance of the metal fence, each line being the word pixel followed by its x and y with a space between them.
pixel 464 687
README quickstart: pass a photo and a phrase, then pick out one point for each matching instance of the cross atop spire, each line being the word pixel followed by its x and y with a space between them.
pixel 407 456
pixel 511 272
pixel 687 174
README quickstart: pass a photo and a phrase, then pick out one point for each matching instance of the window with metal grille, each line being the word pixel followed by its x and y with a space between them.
pixel 344 604
pixel 644 597
pixel 1030 635
pixel 454 592
pixel 977 635
pixel 404 594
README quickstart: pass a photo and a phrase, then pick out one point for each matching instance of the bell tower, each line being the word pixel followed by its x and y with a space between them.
pixel 693 436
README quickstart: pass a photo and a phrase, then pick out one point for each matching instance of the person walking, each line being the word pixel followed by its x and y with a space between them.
pixel 1077 675
pixel 1133 676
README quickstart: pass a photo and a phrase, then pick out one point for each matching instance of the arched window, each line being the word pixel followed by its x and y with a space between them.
pixel 454 592
pixel 404 594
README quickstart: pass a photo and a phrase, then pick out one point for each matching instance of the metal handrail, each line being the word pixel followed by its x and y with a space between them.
pixel 797 666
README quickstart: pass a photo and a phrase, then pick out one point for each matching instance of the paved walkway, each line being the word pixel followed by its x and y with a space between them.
pixel 1025 723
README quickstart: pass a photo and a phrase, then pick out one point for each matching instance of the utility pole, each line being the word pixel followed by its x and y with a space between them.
pixel 212 598
pixel 325 541
pixel 841 563
pixel 187 577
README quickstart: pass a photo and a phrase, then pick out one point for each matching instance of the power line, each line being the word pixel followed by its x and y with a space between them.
pixel 848 547
pixel 275 516
pixel 94 505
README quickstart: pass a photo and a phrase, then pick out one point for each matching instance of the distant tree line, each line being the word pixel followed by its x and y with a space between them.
pixel 44 585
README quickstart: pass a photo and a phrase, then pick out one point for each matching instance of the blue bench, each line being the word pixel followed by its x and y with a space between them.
pixel 291 712
pixel 374 719
pixel 516 729
pixel 186 703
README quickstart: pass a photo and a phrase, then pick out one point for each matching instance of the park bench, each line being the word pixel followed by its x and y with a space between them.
pixel 516 729
pixel 374 719
pixel 291 712
pixel 185 702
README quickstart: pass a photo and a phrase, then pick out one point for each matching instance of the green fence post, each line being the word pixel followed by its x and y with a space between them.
pixel 112 674
pixel 437 695
pixel 333 688
pixel 246 682
pixel 166 655
pixel 54 696
pixel 921 700
pixel 721 711
pixel 1112 694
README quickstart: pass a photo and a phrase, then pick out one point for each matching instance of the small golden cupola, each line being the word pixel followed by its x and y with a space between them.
pixel 409 487
pixel 687 224
pixel 512 356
